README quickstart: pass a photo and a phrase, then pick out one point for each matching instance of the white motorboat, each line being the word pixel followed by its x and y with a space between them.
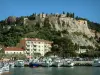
pixel 47 62
pixel 4 69
pixel 96 63
pixel 11 64
pixel 68 63
pixel 19 63
pixel 57 62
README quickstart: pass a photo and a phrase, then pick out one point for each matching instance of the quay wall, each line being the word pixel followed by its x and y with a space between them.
pixel 83 63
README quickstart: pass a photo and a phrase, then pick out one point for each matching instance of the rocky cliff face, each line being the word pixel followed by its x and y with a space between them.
pixel 71 25
pixel 66 23
pixel 61 23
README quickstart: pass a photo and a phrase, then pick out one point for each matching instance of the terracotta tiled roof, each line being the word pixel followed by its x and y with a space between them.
pixel 36 39
pixel 13 49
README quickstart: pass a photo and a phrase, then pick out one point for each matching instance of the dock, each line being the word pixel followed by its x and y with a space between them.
pixel 83 63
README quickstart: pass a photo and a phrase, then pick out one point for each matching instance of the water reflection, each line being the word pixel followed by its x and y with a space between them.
pixel 55 71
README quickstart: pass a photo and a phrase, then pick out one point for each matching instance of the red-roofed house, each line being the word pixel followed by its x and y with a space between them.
pixel 13 50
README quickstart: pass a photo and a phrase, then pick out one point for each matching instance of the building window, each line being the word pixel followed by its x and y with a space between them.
pixel 28 45
pixel 34 49
pixel 34 45
pixel 31 41
pixel 28 49
pixel 27 41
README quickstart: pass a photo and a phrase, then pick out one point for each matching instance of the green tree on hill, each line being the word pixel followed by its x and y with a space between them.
pixel 64 47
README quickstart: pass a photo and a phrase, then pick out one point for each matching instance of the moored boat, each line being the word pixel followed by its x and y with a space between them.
pixel 68 63
pixel 11 64
pixel 57 62
pixel 34 63
pixel 96 63
pixel 4 69
pixel 19 63
pixel 47 62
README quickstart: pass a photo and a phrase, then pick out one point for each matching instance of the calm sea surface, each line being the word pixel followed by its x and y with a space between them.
pixel 55 71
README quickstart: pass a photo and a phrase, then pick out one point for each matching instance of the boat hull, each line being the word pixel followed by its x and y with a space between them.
pixel 19 63
pixel 4 69
pixel 57 64
pixel 34 65
pixel 68 64
pixel 96 64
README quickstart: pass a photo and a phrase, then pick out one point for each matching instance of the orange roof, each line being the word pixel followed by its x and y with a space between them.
pixel 35 39
pixel 13 49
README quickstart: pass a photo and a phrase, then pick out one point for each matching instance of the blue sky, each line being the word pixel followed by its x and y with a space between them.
pixel 89 9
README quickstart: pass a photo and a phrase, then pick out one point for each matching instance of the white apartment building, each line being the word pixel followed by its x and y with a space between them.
pixel 35 45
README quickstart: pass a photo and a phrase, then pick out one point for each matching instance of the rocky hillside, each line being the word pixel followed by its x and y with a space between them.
pixel 79 30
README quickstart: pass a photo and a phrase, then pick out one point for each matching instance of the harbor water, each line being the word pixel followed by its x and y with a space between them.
pixel 77 70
